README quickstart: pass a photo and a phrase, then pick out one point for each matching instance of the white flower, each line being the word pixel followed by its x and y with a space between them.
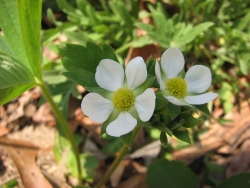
pixel 123 98
pixel 187 90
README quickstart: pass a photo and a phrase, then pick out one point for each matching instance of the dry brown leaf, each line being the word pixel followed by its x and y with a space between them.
pixel 4 131
pixel 30 110
pixel 117 174
pixel 24 156
pixel 41 135
pixel 148 152
pixel 44 115
pixel 136 181
pixel 241 161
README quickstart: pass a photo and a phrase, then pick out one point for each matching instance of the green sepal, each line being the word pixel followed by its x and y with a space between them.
pixel 134 113
pixel 151 66
pixel 189 121
pixel 104 93
pixel 126 138
pixel 173 110
pixel 182 135
pixel 147 84
pixel 160 103
pixel 164 139
pixel 115 113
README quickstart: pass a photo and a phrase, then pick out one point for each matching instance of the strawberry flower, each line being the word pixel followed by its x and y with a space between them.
pixel 124 96
pixel 183 91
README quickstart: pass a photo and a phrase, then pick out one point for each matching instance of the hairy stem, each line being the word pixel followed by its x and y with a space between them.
pixel 117 160
pixel 64 126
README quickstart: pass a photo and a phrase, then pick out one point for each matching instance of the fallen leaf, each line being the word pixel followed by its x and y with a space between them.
pixel 117 174
pixel 136 181
pixel 44 115
pixel 3 131
pixel 148 152
pixel 24 157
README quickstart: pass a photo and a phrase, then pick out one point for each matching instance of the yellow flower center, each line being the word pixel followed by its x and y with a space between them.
pixel 123 99
pixel 177 87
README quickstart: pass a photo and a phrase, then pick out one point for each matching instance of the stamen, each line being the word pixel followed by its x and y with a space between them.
pixel 123 99
pixel 177 87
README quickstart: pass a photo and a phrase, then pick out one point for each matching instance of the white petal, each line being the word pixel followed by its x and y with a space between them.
pixel 136 72
pixel 145 104
pixel 124 123
pixel 109 75
pixel 198 79
pixel 176 101
pixel 201 99
pixel 158 76
pixel 96 107
pixel 172 62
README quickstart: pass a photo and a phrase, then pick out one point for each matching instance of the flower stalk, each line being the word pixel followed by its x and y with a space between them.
pixel 64 126
pixel 118 159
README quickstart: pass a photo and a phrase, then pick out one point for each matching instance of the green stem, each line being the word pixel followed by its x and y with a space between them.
pixel 64 125
pixel 117 160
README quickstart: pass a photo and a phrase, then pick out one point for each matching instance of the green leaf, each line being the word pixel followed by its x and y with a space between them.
pixel 147 84
pixel 164 139
pixel 159 19
pixel 203 108
pixel 65 7
pixel 173 110
pixel 243 59
pixel 12 76
pixel 10 184
pixel 88 164
pixel 146 27
pixel 190 121
pixel 240 180
pixel 61 92
pixel 88 57
pixel 181 135
pixel 51 16
pixel 124 14
pixel 9 23
pixel 12 73
pixel 4 46
pixel 82 4
pixel 193 32
pixel 126 139
pixel 172 174
pixel 79 75
pixel 29 12
pixel 91 14
pixel 10 93
pixel 113 146
pixel 154 34
pixel 78 37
